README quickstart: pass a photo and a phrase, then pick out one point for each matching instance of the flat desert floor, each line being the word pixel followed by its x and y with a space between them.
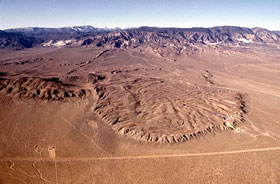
pixel 96 115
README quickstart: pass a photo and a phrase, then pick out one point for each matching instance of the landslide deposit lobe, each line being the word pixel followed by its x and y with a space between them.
pixel 153 110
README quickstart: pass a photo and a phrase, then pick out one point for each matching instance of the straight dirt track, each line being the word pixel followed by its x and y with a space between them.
pixel 30 159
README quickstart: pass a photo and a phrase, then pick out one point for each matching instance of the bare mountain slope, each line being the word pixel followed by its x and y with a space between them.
pixel 14 40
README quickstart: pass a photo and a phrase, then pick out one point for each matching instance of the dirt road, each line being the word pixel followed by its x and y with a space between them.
pixel 30 159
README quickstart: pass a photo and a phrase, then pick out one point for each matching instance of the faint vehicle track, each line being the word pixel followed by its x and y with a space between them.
pixel 85 63
pixel 65 120
pixel 260 131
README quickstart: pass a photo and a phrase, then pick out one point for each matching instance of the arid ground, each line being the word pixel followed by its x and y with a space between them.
pixel 114 115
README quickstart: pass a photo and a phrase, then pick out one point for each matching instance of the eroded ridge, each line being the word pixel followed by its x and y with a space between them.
pixel 40 88
pixel 153 110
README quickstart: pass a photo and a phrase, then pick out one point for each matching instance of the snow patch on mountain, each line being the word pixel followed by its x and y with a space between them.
pixel 59 43
pixel 245 40
pixel 212 43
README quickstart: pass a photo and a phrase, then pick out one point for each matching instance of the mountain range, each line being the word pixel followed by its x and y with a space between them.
pixel 177 39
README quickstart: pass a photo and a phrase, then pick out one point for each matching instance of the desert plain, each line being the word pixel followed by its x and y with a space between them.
pixel 126 115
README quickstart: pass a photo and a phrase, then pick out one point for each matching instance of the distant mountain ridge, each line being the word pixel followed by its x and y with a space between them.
pixel 14 40
pixel 39 30
pixel 43 34
pixel 154 37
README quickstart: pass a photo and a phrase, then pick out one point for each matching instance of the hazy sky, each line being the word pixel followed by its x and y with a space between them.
pixel 134 13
